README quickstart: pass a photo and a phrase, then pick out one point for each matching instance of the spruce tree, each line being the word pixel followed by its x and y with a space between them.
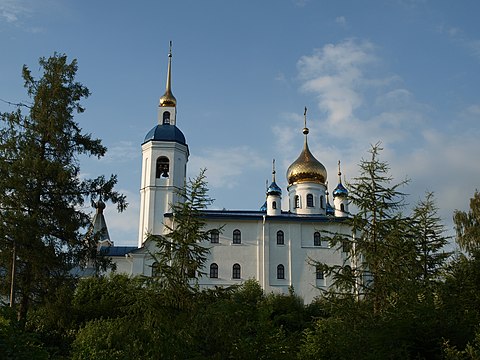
pixel 181 253
pixel 429 237
pixel 41 190
pixel 467 226
pixel 380 254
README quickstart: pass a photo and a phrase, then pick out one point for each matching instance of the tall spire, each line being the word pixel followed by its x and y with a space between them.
pixel 339 173
pixel 273 170
pixel 305 129
pixel 340 190
pixel 168 99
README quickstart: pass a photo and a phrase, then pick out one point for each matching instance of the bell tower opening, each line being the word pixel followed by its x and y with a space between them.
pixel 166 118
pixel 163 167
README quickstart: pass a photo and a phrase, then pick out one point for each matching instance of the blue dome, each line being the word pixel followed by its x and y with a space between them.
pixel 274 189
pixel 165 133
pixel 340 191
pixel 264 207
pixel 330 210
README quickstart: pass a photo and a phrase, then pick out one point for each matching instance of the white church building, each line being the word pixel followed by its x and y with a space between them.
pixel 274 247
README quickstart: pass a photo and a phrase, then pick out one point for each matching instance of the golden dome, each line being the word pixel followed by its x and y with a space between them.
pixel 168 99
pixel 306 167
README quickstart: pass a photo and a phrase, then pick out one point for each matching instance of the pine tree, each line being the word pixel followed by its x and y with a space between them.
pixel 41 191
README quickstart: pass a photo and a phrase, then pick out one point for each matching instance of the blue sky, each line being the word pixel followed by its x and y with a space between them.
pixel 402 72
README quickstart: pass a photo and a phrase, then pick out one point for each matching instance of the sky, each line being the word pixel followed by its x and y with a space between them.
pixel 404 73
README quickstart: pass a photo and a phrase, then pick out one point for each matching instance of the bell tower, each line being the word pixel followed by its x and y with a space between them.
pixel 164 164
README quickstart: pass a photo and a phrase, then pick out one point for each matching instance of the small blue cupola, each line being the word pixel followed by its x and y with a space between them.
pixel 330 211
pixel 274 196
pixel 340 196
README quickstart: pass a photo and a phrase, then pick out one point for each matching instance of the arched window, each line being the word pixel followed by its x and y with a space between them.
pixel 214 236
pixel 280 272
pixel 166 118
pixel 274 205
pixel 317 241
pixel 280 238
pixel 163 165
pixel 319 273
pixel 237 236
pixel 155 269
pixel 214 271
pixel 309 200
pixel 322 202
pixel 236 271
pixel 297 201
pixel 346 246
pixel 342 207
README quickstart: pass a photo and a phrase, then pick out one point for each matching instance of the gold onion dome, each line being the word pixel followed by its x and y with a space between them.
pixel 168 99
pixel 306 168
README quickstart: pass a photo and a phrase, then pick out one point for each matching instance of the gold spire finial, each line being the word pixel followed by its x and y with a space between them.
pixel 168 99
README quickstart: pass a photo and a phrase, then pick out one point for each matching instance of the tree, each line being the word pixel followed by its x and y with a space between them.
pixel 41 191
pixel 467 226
pixel 429 238
pixel 181 255
pixel 380 254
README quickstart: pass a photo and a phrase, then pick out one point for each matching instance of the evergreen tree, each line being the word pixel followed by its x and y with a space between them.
pixel 428 234
pixel 380 254
pixel 467 226
pixel 181 255
pixel 41 191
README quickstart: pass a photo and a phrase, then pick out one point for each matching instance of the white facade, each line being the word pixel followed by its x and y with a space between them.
pixel 276 248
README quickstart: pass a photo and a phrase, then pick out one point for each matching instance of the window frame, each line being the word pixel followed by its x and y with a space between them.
pixel 296 200
pixel 280 272
pixel 319 274
pixel 214 237
pixel 236 237
pixel 213 271
pixel 236 271
pixel 310 202
pixel 280 237
pixel 317 239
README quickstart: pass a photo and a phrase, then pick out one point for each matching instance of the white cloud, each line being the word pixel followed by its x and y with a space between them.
pixel 341 20
pixel 122 152
pixel 225 167
pixel 12 10
pixel 335 75
pixel 359 105
pixel 458 36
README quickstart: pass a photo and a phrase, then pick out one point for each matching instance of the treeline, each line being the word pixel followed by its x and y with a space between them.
pixel 117 317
